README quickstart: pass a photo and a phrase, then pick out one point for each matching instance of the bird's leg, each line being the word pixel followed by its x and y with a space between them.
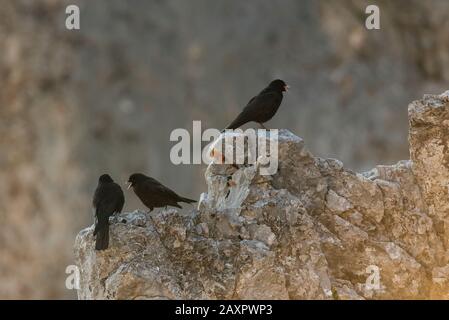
pixel 262 126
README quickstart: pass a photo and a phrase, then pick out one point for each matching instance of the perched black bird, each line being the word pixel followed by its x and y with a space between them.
pixel 108 199
pixel 153 194
pixel 262 107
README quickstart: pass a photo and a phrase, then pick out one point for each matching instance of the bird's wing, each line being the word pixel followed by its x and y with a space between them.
pixel 120 198
pixel 260 101
pixel 158 189
pixel 108 198
pixel 251 100
pixel 256 106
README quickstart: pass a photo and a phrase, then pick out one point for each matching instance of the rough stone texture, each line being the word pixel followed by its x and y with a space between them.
pixel 314 230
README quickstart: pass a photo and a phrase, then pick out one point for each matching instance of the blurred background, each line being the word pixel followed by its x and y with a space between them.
pixel 105 98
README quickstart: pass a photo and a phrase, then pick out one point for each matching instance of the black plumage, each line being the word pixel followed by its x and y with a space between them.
pixel 153 194
pixel 108 199
pixel 262 107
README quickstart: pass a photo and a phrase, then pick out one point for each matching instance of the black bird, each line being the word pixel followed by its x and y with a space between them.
pixel 262 107
pixel 153 194
pixel 108 199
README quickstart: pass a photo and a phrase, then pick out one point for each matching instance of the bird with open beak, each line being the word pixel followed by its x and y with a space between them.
pixel 153 194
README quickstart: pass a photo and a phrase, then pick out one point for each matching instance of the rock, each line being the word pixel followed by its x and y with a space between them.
pixel 336 203
pixel 314 230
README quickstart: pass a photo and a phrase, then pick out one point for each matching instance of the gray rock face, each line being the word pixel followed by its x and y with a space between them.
pixel 314 230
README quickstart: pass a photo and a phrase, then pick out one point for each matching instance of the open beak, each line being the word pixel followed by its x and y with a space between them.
pixel 286 87
pixel 130 184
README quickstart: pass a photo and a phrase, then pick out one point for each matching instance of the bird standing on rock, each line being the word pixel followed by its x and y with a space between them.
pixel 262 107
pixel 108 199
pixel 153 194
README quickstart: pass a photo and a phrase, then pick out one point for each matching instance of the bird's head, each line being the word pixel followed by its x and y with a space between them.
pixel 135 178
pixel 105 178
pixel 279 85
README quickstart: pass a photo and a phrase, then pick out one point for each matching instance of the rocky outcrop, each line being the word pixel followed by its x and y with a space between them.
pixel 314 230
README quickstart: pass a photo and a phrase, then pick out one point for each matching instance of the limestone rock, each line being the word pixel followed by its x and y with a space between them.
pixel 314 230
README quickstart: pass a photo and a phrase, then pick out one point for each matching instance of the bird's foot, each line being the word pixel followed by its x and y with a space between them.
pixel 262 126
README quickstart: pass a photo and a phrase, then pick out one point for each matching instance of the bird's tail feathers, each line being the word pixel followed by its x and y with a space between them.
pixel 102 238
pixel 187 200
